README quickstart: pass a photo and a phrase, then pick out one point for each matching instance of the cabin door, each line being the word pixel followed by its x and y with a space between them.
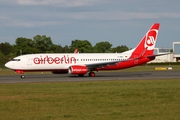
pixel 29 61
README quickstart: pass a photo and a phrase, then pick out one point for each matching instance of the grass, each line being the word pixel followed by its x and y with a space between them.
pixel 107 100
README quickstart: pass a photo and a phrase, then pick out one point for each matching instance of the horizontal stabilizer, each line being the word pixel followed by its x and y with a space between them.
pixel 150 56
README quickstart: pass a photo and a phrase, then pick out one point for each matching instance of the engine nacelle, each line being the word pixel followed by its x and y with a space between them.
pixel 79 70
pixel 60 71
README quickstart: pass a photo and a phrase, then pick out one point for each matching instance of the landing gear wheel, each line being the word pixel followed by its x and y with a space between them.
pixel 22 76
pixel 81 75
pixel 91 74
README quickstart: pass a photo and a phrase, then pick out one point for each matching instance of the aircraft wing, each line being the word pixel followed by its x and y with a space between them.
pixel 99 65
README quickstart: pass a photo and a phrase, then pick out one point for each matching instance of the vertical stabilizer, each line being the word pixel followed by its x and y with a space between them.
pixel 147 44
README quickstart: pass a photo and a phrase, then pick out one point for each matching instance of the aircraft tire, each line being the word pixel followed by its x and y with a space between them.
pixel 22 76
pixel 91 74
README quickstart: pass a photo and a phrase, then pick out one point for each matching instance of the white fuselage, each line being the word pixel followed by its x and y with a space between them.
pixel 62 61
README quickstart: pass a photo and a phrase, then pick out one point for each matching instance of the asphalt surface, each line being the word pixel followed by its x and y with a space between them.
pixel 100 76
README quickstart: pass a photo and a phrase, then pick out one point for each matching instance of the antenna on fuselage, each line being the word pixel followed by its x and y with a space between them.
pixel 20 51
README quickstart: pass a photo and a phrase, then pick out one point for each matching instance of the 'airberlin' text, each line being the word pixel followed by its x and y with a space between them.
pixel 55 60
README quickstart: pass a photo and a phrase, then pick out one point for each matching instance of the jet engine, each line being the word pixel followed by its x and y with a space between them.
pixel 78 70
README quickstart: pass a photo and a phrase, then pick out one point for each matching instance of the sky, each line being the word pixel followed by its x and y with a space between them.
pixel 120 22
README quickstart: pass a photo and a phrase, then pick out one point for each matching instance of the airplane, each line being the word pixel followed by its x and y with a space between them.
pixel 83 63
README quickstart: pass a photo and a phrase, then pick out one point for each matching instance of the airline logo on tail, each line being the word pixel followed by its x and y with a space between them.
pixel 147 44
pixel 150 39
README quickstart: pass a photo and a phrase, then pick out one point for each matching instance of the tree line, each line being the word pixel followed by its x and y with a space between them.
pixel 44 44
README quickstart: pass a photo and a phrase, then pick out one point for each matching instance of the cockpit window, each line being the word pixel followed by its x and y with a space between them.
pixel 15 59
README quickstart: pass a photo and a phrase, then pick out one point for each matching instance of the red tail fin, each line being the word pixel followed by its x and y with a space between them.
pixel 76 50
pixel 147 44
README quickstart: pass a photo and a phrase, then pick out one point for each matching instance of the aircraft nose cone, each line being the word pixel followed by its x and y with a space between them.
pixel 7 65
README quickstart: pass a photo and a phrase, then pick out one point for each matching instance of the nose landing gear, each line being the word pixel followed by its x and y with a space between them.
pixel 21 72
pixel 22 76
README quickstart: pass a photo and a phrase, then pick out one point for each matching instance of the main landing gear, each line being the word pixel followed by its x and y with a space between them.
pixel 91 74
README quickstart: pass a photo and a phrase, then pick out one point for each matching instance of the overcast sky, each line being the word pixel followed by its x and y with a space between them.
pixel 120 22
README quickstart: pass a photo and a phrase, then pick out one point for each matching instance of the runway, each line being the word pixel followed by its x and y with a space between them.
pixel 100 76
